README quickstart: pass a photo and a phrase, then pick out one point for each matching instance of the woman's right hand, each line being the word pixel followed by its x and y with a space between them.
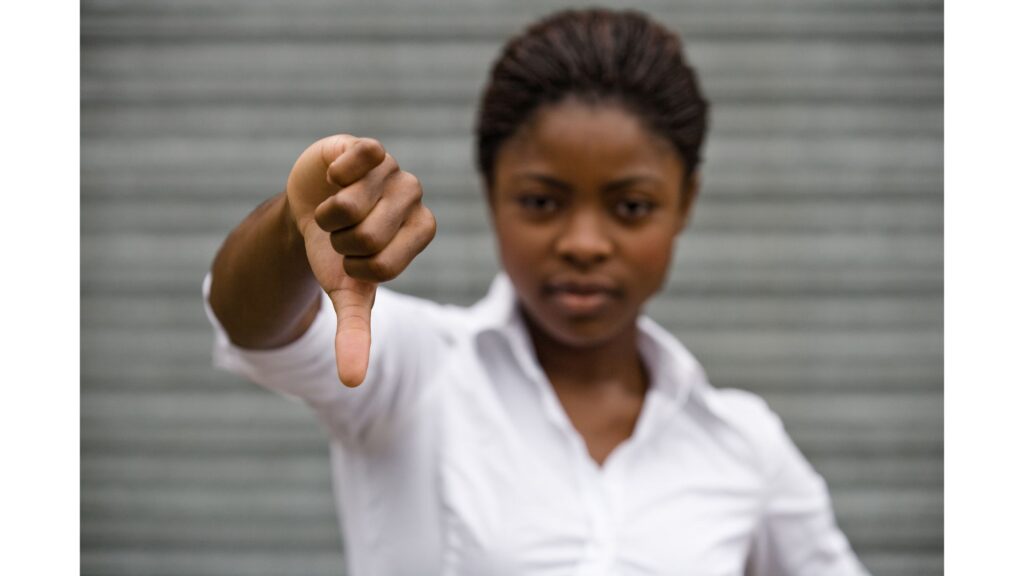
pixel 363 221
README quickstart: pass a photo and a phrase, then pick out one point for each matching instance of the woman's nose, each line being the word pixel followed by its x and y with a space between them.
pixel 584 241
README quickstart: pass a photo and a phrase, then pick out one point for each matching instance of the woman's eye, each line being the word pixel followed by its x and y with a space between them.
pixel 538 203
pixel 633 209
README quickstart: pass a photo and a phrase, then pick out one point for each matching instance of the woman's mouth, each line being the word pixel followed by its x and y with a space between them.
pixel 581 297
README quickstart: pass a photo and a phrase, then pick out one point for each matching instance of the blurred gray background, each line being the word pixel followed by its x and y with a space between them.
pixel 812 274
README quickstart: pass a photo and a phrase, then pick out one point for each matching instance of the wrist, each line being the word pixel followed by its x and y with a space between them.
pixel 292 235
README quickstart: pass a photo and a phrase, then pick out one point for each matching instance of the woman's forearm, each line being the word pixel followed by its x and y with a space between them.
pixel 263 291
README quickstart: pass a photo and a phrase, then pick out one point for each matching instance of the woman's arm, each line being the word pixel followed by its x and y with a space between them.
pixel 263 291
pixel 798 535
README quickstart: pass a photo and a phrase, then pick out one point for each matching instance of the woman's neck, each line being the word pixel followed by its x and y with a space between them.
pixel 612 364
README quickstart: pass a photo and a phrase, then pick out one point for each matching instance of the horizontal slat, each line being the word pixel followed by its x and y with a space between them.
pixel 264 439
pixel 852 441
pixel 271 561
pixel 782 312
pixel 850 411
pixel 181 408
pixel 158 22
pixel 259 504
pixel 728 368
pixel 715 214
pixel 909 563
pixel 157 562
pixel 275 561
pixel 779 344
pixel 159 7
pixel 201 534
pixel 252 120
pixel 906 472
pixel 207 472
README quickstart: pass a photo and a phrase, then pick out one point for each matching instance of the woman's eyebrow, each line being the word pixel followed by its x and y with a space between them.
pixel 547 180
pixel 628 181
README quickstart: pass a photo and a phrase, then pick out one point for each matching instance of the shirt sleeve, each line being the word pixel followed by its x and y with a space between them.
pixel 409 336
pixel 798 535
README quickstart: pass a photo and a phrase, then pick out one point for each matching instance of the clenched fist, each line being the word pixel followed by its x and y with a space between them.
pixel 363 221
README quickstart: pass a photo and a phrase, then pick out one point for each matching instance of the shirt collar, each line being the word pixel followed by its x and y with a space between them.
pixel 675 372
pixel 497 310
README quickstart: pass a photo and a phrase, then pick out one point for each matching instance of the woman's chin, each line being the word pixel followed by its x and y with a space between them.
pixel 579 331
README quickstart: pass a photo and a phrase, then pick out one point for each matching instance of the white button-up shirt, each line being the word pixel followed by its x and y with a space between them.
pixel 455 457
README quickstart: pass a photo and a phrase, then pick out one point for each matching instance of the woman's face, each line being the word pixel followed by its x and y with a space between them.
pixel 586 204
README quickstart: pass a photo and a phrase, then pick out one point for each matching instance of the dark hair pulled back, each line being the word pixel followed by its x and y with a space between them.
pixel 597 55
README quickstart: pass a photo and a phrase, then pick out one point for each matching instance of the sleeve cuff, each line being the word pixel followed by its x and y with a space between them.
pixel 295 369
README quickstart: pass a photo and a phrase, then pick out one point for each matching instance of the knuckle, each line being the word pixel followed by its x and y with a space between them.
pixel 371 269
pixel 381 269
pixel 335 175
pixel 410 180
pixel 321 219
pixel 365 240
pixel 345 208
pixel 369 149
pixel 355 242
pixel 356 268
pixel 338 243
pixel 341 244
pixel 371 144
pixel 330 147
pixel 412 185
pixel 431 224
pixel 389 164
pixel 427 230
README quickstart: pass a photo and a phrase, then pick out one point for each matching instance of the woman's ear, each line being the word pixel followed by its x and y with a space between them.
pixel 691 188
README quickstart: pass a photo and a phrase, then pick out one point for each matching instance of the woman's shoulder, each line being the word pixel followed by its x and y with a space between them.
pixel 757 429
pixel 741 407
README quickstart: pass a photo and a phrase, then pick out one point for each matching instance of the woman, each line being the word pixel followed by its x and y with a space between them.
pixel 551 428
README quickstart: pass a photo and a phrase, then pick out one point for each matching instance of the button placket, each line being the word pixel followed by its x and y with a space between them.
pixel 599 553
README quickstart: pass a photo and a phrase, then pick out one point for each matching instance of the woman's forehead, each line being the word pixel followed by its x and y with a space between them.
pixel 598 138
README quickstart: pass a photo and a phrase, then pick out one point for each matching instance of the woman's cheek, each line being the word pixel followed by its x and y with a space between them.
pixel 653 258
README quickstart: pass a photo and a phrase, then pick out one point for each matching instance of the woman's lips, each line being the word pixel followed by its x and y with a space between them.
pixel 581 298
pixel 582 304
